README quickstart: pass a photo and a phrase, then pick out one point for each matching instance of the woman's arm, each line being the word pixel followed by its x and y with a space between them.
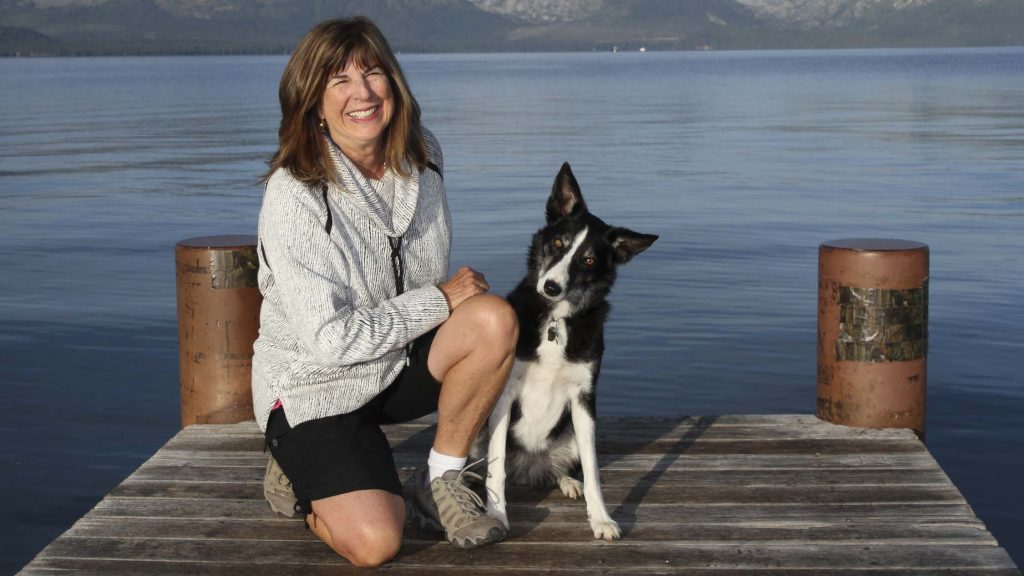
pixel 313 281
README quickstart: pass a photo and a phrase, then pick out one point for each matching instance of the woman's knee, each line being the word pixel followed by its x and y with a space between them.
pixel 364 527
pixel 495 320
pixel 370 546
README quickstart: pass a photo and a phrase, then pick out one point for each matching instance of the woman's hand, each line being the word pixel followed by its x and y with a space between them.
pixel 465 284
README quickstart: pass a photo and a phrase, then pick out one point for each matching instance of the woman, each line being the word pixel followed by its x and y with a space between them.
pixel 359 325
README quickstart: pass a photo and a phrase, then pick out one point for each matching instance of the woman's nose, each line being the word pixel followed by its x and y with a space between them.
pixel 361 88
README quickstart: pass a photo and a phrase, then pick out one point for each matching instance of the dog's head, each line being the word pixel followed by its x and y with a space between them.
pixel 573 259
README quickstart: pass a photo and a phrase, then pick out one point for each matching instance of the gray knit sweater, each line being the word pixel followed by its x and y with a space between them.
pixel 332 330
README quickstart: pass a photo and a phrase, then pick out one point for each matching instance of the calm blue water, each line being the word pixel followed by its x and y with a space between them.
pixel 742 162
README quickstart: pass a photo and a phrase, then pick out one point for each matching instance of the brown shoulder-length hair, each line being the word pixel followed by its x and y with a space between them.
pixel 325 50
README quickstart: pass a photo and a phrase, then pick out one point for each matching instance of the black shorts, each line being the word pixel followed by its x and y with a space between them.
pixel 349 452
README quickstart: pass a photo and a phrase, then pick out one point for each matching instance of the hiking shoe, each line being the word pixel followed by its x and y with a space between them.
pixel 448 504
pixel 277 489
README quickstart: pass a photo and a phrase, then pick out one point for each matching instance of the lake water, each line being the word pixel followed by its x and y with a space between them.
pixel 742 162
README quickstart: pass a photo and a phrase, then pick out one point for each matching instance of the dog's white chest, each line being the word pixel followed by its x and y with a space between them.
pixel 545 387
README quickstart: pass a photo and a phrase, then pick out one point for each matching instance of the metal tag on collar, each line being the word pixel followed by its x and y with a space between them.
pixel 553 332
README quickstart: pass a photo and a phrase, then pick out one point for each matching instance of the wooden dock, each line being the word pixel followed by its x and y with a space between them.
pixel 718 496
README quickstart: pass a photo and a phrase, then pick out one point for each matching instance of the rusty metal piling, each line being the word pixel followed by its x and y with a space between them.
pixel 873 333
pixel 218 321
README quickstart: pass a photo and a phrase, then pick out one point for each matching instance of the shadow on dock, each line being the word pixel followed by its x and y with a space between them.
pixel 625 513
pixel 649 437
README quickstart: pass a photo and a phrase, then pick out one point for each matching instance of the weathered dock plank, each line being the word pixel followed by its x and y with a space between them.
pixel 613 495
pixel 574 512
pixel 770 532
pixel 729 495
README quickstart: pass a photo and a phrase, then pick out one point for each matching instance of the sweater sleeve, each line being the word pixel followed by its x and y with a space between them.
pixel 434 151
pixel 313 278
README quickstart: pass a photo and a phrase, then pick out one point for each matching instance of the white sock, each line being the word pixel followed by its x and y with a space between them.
pixel 439 463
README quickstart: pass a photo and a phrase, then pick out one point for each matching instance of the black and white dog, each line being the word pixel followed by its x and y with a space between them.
pixel 542 428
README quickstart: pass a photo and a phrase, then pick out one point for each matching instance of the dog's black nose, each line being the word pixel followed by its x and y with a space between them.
pixel 551 288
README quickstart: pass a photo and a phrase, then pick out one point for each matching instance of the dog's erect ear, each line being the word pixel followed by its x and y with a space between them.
pixel 626 243
pixel 566 198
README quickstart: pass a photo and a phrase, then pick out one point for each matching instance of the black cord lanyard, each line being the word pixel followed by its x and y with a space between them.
pixel 399 271
pixel 396 264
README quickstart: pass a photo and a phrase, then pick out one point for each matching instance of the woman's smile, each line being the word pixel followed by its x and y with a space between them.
pixel 364 115
pixel 357 106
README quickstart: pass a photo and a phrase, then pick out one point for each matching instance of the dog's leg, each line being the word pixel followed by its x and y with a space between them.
pixel 570 486
pixel 498 425
pixel 586 440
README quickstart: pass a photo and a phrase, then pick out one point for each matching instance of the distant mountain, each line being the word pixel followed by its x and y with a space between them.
pixel 542 10
pixel 26 41
pixel 241 26
pixel 262 26
pixel 899 22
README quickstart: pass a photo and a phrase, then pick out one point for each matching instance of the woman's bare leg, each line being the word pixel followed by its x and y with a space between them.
pixel 365 526
pixel 472 355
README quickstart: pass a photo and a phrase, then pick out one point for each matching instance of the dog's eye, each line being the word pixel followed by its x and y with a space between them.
pixel 557 243
pixel 589 261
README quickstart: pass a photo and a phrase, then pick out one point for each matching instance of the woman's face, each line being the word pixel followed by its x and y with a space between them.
pixel 357 106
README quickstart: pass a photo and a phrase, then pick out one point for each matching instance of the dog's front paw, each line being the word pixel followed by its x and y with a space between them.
pixel 606 529
pixel 571 487
pixel 499 513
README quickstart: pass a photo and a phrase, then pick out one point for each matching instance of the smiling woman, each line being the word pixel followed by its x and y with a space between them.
pixel 357 107
pixel 358 325
pixel 344 80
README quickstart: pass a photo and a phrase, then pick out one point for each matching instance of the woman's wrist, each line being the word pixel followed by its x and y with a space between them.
pixel 446 299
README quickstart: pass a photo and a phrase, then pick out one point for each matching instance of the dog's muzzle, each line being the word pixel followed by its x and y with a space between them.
pixel 552 289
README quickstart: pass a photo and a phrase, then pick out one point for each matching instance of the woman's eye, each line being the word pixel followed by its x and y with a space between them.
pixel 557 243
pixel 589 261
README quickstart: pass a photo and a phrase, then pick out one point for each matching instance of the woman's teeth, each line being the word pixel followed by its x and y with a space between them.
pixel 363 113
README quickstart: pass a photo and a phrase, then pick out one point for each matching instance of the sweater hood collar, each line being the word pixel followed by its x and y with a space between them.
pixel 366 194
